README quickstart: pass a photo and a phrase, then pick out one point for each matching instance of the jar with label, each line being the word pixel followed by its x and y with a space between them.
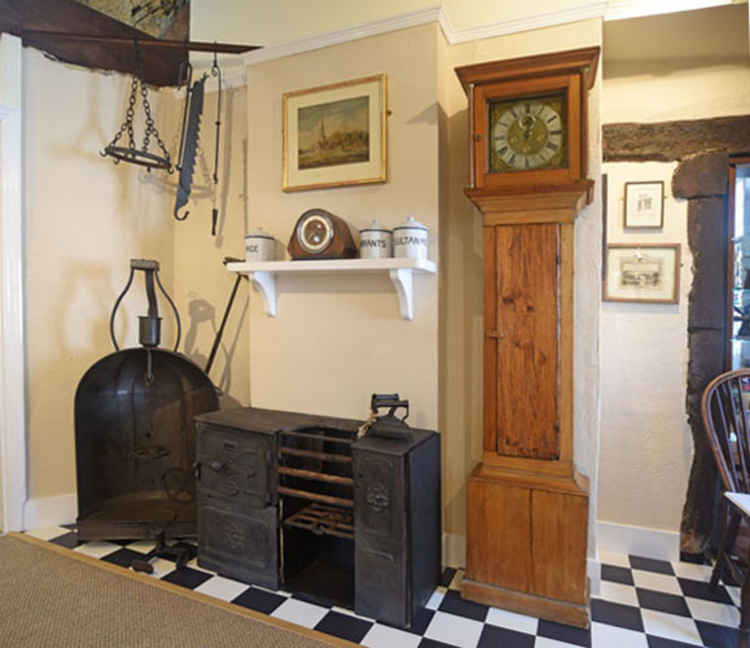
pixel 411 239
pixel 260 246
pixel 375 241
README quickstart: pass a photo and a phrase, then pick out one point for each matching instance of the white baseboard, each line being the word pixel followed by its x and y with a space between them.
pixel 454 550
pixel 639 541
pixel 43 512
pixel 594 574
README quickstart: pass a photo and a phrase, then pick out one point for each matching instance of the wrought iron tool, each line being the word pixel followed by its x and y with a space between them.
pixel 191 124
pixel 190 133
pixel 131 153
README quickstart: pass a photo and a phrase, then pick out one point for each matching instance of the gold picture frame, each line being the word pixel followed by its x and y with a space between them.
pixel 335 135
pixel 642 273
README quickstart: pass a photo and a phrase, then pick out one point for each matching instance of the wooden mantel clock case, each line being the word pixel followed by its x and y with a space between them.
pixel 527 505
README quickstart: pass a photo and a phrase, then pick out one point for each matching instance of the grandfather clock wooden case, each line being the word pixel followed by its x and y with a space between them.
pixel 527 505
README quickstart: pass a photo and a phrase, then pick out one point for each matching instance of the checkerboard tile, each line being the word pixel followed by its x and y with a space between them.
pixel 642 603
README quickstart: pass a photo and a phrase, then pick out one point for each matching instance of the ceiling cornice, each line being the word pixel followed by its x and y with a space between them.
pixel 364 30
pixel 604 9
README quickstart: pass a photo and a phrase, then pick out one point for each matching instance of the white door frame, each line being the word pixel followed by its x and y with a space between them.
pixel 12 351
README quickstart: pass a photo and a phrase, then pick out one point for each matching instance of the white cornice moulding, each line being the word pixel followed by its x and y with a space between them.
pixel 517 25
pixel 403 21
pixel 642 8
pixel 424 17
pixel 605 9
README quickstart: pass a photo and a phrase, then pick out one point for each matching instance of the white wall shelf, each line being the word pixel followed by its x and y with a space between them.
pixel 263 275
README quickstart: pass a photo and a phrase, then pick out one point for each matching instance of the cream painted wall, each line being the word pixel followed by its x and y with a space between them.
pixel 691 65
pixel 201 283
pixel 85 219
pixel 644 358
pixel 338 339
pixel 461 283
pixel 644 348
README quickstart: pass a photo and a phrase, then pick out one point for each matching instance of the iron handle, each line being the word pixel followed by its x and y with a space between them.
pixel 197 471
pixel 217 465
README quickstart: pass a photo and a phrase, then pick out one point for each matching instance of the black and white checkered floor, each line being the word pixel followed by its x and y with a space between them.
pixel 642 603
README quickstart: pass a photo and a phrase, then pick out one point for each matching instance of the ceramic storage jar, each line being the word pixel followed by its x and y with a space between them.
pixel 375 241
pixel 411 239
pixel 260 246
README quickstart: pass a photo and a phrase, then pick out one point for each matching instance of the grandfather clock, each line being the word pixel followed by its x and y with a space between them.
pixel 527 505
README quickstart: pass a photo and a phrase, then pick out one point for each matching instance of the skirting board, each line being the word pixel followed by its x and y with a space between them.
pixel 43 512
pixel 638 541
pixel 454 555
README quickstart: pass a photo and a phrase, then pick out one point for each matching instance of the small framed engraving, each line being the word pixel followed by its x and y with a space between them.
pixel 644 205
pixel 646 273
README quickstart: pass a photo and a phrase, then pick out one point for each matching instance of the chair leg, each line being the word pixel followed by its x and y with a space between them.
pixel 728 536
pixel 744 641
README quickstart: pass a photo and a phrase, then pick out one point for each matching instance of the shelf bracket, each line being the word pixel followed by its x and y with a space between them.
pixel 402 282
pixel 265 283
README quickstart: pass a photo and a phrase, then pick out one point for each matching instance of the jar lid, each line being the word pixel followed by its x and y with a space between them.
pixel 259 233
pixel 411 223
pixel 375 226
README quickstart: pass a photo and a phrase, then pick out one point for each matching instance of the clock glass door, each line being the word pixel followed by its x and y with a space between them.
pixel 527 133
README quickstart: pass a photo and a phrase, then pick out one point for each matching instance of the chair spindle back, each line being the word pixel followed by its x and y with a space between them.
pixel 726 417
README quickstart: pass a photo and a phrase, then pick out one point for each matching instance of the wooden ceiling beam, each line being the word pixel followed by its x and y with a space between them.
pixel 75 33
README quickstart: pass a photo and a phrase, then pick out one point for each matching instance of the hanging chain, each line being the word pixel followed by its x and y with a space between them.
pixel 150 128
pixel 132 154
pixel 127 125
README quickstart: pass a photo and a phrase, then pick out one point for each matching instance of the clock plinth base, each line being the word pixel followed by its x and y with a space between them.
pixel 528 604
pixel 526 543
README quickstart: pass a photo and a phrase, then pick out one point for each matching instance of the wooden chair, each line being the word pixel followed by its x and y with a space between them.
pixel 726 417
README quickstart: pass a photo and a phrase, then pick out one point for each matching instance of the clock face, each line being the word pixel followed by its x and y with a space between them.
pixel 527 134
pixel 315 233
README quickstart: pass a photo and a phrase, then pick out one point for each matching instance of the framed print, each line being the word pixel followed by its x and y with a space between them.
pixel 644 205
pixel 335 135
pixel 649 273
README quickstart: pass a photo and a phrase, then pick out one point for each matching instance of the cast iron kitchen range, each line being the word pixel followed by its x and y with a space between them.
pixel 344 513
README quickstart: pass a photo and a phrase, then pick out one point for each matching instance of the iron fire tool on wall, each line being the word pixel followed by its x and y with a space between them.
pixel 189 134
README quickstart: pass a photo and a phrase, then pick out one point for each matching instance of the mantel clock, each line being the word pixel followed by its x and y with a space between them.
pixel 527 504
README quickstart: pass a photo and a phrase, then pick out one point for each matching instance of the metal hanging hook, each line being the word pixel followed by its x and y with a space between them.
pixel 216 71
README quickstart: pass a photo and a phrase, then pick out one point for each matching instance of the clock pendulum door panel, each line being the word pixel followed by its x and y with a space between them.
pixel 522 336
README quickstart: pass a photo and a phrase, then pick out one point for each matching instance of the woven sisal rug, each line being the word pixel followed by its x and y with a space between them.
pixel 51 596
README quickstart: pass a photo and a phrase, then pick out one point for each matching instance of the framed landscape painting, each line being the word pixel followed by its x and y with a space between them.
pixel 646 272
pixel 335 135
